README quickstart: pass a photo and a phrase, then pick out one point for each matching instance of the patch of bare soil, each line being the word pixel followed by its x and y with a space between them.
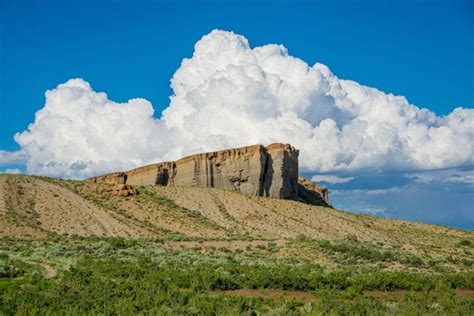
pixel 324 222
pixel 44 206
pixel 464 293
pixel 49 272
pixel 13 224
pixel 166 215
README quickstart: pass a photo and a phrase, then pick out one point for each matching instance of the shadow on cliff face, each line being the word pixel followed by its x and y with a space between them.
pixel 290 165
pixel 312 193
pixel 309 196
pixel 165 177
pixel 267 176
pixel 162 178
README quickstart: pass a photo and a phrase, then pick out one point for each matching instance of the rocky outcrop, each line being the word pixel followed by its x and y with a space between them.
pixel 257 170
pixel 122 190
pixel 238 169
pixel 312 193
pixel 281 172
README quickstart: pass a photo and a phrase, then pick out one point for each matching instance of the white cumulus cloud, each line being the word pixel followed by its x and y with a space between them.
pixel 331 179
pixel 80 132
pixel 229 94
pixel 12 157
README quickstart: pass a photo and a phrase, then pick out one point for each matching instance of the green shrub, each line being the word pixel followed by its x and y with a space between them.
pixel 119 276
pixel 351 251
pixel 465 242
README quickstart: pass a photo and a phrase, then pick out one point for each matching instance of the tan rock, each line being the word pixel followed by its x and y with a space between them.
pixel 112 178
pixel 151 174
pixel 312 193
pixel 281 172
pixel 122 190
pixel 238 169
pixel 254 170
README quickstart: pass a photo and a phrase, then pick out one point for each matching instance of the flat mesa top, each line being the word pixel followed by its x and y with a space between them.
pixel 226 152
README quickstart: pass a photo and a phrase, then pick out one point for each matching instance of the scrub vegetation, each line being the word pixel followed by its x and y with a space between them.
pixel 120 276
pixel 70 247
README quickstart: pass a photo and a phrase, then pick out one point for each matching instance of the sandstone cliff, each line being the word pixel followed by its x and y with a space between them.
pixel 257 170
pixel 311 192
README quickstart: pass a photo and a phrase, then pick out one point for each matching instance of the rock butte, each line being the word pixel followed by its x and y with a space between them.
pixel 270 171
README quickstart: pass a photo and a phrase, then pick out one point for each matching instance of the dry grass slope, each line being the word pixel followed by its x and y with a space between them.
pixel 186 217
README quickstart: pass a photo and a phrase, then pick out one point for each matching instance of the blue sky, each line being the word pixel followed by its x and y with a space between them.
pixel 422 50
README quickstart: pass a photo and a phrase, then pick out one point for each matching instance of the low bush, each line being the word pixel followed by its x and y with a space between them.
pixel 352 251
pixel 117 276
pixel 117 286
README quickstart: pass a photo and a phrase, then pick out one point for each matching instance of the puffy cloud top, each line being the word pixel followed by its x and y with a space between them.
pixel 80 132
pixel 229 94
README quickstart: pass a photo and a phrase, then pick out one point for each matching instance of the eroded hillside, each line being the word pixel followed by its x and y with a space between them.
pixel 190 217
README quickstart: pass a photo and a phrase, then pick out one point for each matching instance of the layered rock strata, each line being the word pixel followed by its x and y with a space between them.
pixel 257 170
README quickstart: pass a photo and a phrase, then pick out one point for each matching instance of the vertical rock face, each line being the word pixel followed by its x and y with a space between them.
pixel 254 170
pixel 151 174
pixel 238 169
pixel 281 172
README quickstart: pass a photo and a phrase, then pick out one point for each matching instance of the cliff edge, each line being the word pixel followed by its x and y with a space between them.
pixel 270 171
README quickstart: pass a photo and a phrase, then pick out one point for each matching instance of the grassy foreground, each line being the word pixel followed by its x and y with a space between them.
pixel 114 276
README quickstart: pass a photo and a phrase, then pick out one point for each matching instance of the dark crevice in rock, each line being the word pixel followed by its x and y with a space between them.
pixel 267 176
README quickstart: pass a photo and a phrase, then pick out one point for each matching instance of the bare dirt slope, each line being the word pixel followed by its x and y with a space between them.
pixel 35 207
pixel 31 207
